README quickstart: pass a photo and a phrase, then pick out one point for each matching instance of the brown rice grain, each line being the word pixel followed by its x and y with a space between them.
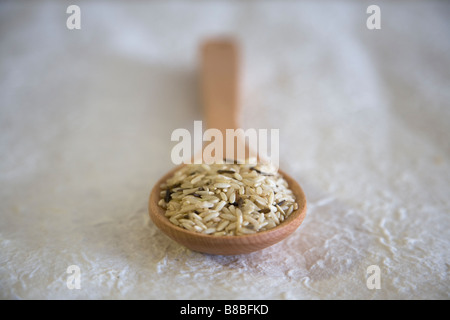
pixel 227 199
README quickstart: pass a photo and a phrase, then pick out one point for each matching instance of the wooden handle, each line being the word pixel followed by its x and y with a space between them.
pixel 219 84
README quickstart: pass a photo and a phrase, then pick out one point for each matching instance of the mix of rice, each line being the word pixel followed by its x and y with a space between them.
pixel 227 199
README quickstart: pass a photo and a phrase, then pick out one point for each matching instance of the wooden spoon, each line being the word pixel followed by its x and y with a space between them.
pixel 220 99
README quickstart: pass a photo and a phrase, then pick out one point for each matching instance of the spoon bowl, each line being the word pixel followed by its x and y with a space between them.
pixel 227 245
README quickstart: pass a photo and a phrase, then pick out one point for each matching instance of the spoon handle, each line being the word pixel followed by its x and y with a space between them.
pixel 219 84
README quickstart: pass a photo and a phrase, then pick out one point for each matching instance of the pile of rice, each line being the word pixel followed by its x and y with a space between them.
pixel 227 199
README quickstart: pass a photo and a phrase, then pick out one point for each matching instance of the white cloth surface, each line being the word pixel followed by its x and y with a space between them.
pixel 85 123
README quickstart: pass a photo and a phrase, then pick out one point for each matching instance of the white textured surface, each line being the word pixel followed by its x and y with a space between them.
pixel 85 123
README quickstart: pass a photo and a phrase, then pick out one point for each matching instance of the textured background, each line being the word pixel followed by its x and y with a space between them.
pixel 85 124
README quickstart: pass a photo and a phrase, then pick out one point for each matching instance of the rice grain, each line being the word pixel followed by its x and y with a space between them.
pixel 227 199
